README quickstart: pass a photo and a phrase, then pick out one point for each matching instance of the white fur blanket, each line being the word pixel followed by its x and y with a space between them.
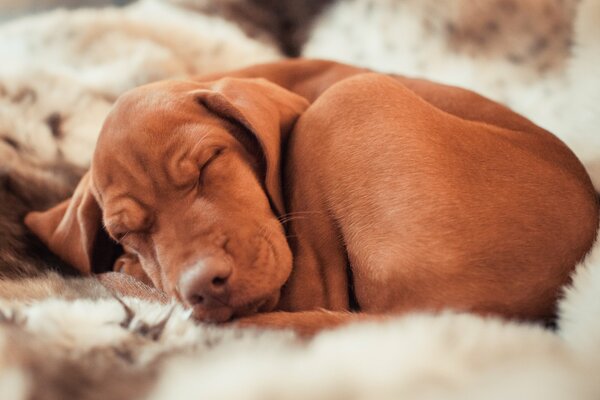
pixel 69 339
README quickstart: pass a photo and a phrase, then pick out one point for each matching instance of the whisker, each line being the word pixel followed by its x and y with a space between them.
pixel 202 138
pixel 283 221
pixel 301 212
pixel 297 214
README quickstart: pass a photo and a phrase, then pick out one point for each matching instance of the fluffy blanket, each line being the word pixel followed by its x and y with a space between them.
pixel 68 338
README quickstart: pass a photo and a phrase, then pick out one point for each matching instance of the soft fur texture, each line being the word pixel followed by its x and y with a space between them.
pixel 191 211
pixel 63 338
pixel 515 52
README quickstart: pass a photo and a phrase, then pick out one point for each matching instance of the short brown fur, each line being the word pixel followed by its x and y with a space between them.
pixel 398 195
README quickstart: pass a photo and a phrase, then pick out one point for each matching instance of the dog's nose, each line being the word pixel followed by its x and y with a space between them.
pixel 206 283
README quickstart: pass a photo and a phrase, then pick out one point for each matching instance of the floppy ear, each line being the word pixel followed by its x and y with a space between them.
pixel 73 231
pixel 267 110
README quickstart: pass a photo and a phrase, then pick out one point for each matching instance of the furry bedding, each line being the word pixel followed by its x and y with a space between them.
pixel 66 337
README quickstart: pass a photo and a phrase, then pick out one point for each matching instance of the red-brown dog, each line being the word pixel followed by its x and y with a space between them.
pixel 397 195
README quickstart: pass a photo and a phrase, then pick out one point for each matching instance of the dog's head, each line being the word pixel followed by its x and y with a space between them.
pixel 186 179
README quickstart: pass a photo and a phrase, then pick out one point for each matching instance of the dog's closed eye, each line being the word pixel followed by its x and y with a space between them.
pixel 128 237
pixel 122 233
pixel 207 161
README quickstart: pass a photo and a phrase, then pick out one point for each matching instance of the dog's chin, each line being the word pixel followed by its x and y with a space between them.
pixel 225 313
pixel 265 304
pixel 213 315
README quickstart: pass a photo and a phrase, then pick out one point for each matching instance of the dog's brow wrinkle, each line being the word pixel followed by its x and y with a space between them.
pixel 127 170
pixel 144 165
pixel 174 168
pixel 200 140
pixel 134 215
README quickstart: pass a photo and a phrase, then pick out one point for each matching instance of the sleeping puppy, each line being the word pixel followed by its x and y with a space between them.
pixel 181 188
pixel 386 195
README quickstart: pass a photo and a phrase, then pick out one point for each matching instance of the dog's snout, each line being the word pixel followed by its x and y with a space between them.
pixel 206 283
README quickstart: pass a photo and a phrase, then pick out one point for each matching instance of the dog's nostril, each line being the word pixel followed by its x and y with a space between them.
pixel 218 281
pixel 206 282
pixel 196 299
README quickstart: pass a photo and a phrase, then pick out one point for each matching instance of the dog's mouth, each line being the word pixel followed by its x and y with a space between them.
pixel 214 315
pixel 236 303
pixel 225 313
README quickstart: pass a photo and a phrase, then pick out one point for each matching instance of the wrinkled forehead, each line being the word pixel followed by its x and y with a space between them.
pixel 148 115
pixel 147 138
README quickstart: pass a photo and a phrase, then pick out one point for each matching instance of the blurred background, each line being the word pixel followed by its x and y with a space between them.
pixel 16 8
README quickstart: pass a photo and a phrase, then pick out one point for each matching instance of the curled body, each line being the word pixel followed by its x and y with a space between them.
pixel 304 185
